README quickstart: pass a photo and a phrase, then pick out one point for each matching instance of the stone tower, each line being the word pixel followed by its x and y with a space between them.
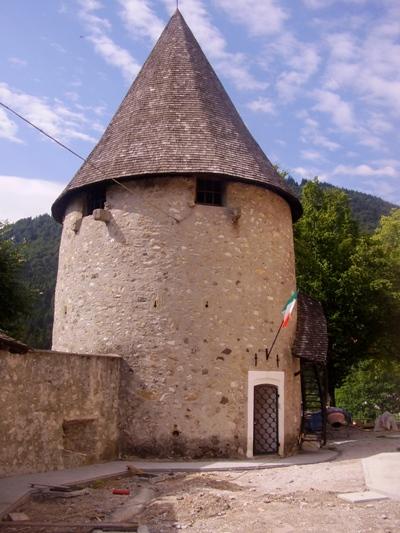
pixel 177 253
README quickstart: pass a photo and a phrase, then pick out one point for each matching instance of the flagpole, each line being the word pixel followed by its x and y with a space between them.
pixel 274 341
pixel 287 312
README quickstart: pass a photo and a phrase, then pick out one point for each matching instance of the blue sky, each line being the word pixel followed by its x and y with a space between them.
pixel 316 81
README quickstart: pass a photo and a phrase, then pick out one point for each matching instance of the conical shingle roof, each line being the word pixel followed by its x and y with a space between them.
pixel 177 119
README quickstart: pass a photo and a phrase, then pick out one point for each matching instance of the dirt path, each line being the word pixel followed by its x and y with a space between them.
pixel 280 500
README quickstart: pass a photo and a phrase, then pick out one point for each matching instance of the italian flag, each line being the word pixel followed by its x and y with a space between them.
pixel 288 309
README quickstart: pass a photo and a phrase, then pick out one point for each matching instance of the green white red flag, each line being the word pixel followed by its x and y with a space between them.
pixel 288 309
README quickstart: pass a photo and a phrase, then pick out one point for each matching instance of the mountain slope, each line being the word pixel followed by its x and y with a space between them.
pixel 367 209
pixel 39 240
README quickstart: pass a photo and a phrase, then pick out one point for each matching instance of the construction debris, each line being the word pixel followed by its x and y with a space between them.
pixel 109 527
pixel 362 497
pixel 18 517
pixel 42 492
pixel 134 471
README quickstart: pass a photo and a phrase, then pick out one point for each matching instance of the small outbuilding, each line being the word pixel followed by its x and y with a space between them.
pixel 311 347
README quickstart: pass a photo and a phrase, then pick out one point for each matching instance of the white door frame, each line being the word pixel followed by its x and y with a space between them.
pixel 261 377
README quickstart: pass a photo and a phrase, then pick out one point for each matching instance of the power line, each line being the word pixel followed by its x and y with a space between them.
pixel 42 131
pixel 52 138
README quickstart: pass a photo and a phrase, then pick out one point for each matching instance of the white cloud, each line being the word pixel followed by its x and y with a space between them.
pixel 115 55
pixel 140 19
pixel 370 140
pixel 381 178
pixel 8 128
pixel 260 18
pixel 17 61
pixel 288 84
pixel 311 133
pixel 196 15
pixel 366 132
pixel 75 83
pixel 369 65
pixel 59 48
pixel 299 60
pixel 53 117
pixel 311 155
pixel 72 95
pixel 317 4
pixel 308 173
pixel 343 46
pixel 233 66
pixel 23 197
pixel 387 189
pixel 367 170
pixel 341 112
pixel 263 105
pixel 302 172
pixel 387 162
pixel 98 29
pixel 339 74
pixel 321 4
pixel 360 87
pixel 98 110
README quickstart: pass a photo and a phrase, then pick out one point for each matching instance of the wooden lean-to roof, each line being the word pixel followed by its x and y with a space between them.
pixel 311 341
pixel 11 345
pixel 177 119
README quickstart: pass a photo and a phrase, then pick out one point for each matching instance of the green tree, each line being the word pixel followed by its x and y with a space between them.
pixel 372 387
pixel 337 266
pixel 385 248
pixel 14 295
pixel 38 239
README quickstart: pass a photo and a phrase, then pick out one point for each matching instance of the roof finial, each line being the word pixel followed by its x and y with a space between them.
pixel 177 5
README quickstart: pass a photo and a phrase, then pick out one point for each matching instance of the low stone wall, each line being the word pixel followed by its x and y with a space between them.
pixel 58 410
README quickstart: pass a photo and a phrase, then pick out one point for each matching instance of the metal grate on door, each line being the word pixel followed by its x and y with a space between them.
pixel 265 419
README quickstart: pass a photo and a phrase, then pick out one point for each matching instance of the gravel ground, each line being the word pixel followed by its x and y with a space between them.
pixel 279 500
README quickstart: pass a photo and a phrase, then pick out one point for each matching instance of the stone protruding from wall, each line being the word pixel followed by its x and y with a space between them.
pixel 58 410
pixel 191 296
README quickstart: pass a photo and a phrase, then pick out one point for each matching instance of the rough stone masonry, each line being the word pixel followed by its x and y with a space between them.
pixel 58 410
pixel 189 294
pixel 190 305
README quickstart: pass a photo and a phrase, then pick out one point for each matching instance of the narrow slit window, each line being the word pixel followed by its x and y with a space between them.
pixel 210 192
pixel 95 199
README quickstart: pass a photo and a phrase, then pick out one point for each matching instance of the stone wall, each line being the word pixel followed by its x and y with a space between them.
pixel 191 296
pixel 58 410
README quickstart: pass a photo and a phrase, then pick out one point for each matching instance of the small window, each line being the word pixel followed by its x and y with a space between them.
pixel 210 192
pixel 95 199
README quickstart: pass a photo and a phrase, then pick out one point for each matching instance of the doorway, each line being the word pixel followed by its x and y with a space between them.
pixel 276 397
pixel 265 419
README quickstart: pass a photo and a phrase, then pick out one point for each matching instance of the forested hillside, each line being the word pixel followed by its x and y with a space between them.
pixel 366 208
pixel 38 239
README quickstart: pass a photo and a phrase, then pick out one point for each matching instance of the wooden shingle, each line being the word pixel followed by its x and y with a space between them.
pixel 177 119
pixel 311 341
pixel 11 345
